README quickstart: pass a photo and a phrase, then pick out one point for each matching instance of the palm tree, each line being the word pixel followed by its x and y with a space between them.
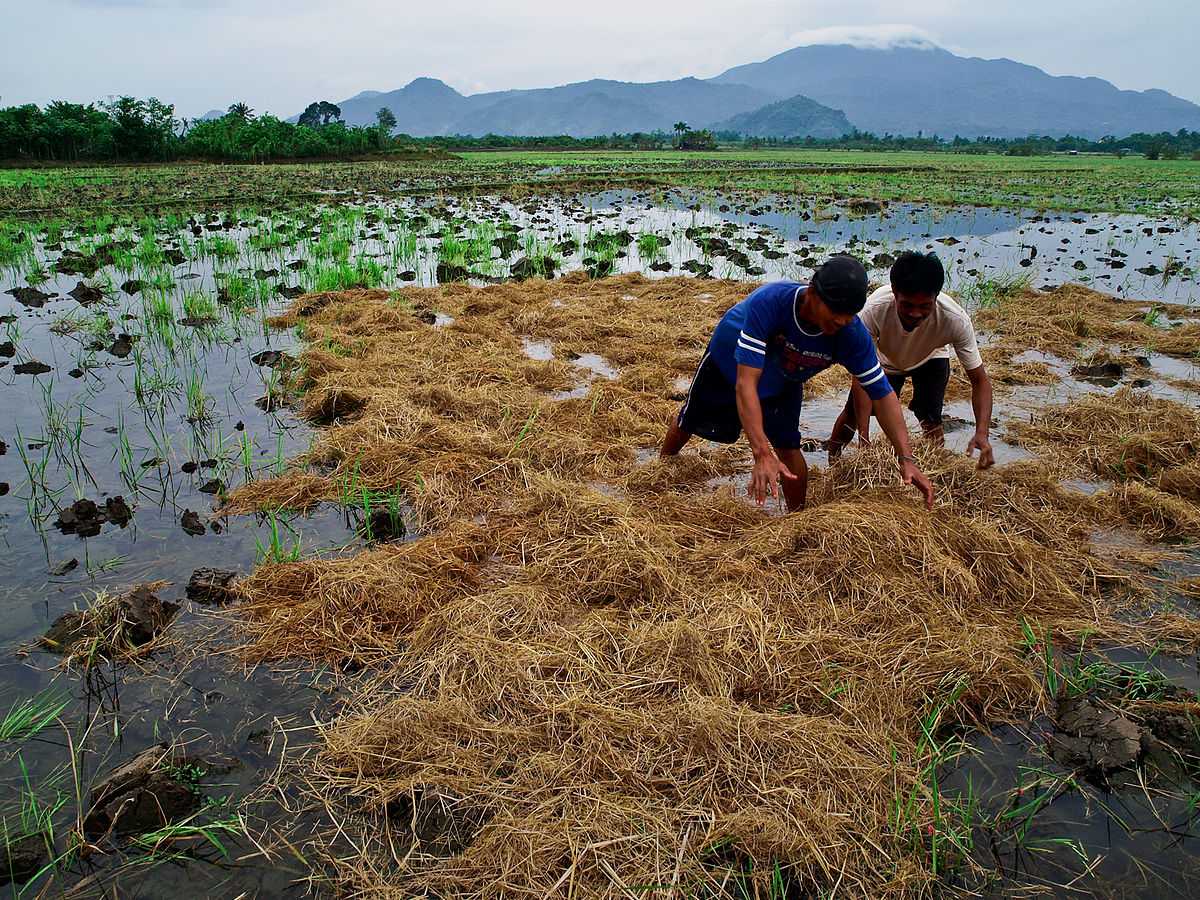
pixel 681 128
pixel 240 111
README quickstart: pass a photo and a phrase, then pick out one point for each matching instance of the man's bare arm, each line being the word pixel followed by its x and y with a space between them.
pixel 891 420
pixel 768 470
pixel 981 403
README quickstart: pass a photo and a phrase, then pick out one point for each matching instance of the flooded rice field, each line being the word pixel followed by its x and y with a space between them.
pixel 141 381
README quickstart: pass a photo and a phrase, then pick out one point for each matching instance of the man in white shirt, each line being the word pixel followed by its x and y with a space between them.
pixel 914 325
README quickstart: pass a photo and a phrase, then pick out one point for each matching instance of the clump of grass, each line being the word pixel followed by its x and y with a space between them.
pixel 32 715
pixel 992 291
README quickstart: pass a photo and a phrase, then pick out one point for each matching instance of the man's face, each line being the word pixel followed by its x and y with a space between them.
pixel 827 320
pixel 913 309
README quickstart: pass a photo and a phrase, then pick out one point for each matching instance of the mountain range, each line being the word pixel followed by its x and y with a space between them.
pixel 821 90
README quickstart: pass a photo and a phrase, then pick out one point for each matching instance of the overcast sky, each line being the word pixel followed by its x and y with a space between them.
pixel 277 55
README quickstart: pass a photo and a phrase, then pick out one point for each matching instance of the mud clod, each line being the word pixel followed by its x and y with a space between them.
pixel 112 625
pixel 85 518
pixel 141 795
pixel 212 586
pixel 190 522
pixel 1093 737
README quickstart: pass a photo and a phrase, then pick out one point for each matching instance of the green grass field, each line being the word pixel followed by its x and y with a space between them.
pixel 1080 183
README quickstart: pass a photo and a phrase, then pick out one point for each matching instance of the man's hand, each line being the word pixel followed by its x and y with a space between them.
pixel 981 443
pixel 910 474
pixel 765 477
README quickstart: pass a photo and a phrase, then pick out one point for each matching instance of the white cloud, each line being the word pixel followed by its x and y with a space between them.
pixel 874 37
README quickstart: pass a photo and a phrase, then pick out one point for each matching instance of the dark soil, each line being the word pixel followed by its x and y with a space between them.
pixel 22 858
pixel 85 518
pixel 438 822
pixel 1093 737
pixel 191 524
pixel 85 294
pixel 211 586
pixel 31 297
pixel 335 405
pixel 141 795
pixel 382 526
pixel 134 619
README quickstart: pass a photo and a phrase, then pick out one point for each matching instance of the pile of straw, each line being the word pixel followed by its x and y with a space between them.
pixel 1148 446
pixel 1068 318
pixel 598 674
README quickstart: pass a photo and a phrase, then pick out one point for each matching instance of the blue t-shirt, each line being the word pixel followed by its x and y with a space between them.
pixel 763 331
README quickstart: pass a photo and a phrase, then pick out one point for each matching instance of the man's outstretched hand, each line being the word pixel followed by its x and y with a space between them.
pixel 910 474
pixel 981 443
pixel 765 477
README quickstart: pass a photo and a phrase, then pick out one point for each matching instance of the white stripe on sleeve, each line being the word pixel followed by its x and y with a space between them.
pixel 869 371
pixel 755 349
pixel 753 340
pixel 873 380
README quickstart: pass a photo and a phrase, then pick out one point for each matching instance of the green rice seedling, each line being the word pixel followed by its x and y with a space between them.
pixel 157 309
pixel 987 293
pixel 279 465
pixel 28 717
pixel 104 566
pixel 350 486
pixel 403 249
pixel 453 250
pixel 16 246
pixel 948 838
pixel 276 549
pixel 332 248
pixel 238 291
pixel 1036 789
pixel 479 241
pixel 131 471
pixel 55 416
pixel 1042 646
pixel 218 246
pixel 526 430
pixel 190 831
pixel 35 472
pixel 650 246
pixel 247 453
pixel 200 305
pixel 148 253
pixel 34 817
pixel 199 403
pixel 343 276
pixel 158 280
pixel 37 274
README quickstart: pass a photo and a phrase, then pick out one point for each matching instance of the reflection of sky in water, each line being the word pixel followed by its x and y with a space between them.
pixel 982 242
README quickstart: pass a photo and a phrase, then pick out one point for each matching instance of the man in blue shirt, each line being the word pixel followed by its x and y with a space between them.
pixel 752 376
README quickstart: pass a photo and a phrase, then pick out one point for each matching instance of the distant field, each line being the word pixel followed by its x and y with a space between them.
pixel 1082 183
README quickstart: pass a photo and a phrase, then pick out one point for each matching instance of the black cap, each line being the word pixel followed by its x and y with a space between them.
pixel 842 284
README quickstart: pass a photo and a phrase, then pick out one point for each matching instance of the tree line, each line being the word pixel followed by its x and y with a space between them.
pixel 131 129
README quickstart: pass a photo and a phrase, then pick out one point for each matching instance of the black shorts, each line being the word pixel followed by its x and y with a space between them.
pixel 710 410
pixel 929 382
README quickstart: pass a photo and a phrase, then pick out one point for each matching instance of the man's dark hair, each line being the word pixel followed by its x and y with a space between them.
pixel 918 273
